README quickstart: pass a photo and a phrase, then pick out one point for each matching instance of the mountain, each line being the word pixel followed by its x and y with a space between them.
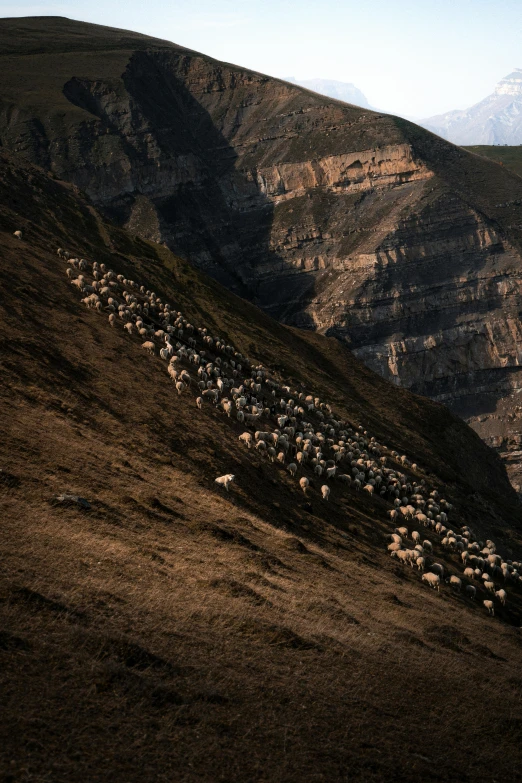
pixel 342 91
pixel 328 216
pixel 165 629
pixel 495 120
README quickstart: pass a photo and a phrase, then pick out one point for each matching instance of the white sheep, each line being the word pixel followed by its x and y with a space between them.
pixel 150 347
pixel 325 491
pixel 433 580
pixel 367 487
pixel 394 547
pixel 225 481
pixel 246 438
pixel 501 595
pixel 421 563
pixel 402 555
pixel 489 586
pixel 180 386
pixel 416 537
pixel 489 606
pixel 303 483
pixel 18 234
pixel 199 402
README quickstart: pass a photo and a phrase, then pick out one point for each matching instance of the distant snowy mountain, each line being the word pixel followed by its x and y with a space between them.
pixel 495 120
pixel 342 91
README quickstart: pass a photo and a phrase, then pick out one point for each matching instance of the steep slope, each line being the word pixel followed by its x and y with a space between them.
pixel 495 120
pixel 172 631
pixel 328 216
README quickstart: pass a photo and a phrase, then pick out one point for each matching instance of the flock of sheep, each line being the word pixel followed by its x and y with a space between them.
pixel 297 430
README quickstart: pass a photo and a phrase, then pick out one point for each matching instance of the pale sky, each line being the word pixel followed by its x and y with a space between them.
pixel 415 58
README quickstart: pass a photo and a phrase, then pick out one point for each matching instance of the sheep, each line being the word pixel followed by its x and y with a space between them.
pixel 402 555
pixel 489 586
pixel 469 573
pixel 292 468
pixel 395 538
pixel 402 531
pixel 455 583
pixel 415 537
pixel 246 438
pixel 427 545
pixel 325 491
pixel 421 563
pixel 199 402
pixel 225 481
pixel 303 483
pixel 438 569
pixel 394 547
pixel 433 580
pixel 150 347
pixel 471 592
pixel 501 595
pixel 367 487
pixel 180 386
pixel 112 319
pixel 489 606
pixel 18 234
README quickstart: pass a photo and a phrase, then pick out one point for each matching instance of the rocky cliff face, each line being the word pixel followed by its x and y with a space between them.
pixel 328 216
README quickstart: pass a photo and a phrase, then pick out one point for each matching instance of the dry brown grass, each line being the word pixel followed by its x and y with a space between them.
pixel 174 632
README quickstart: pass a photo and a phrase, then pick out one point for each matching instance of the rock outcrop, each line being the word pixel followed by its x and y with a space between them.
pixel 328 216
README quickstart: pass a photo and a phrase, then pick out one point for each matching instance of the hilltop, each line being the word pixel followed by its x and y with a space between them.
pixel 330 217
pixel 172 630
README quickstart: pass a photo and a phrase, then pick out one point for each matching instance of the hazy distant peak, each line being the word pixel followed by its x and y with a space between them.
pixel 341 91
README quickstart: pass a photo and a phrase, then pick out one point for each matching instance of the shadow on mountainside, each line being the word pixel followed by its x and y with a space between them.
pixel 184 167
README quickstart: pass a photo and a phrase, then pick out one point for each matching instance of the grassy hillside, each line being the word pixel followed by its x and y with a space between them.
pixel 510 157
pixel 174 632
